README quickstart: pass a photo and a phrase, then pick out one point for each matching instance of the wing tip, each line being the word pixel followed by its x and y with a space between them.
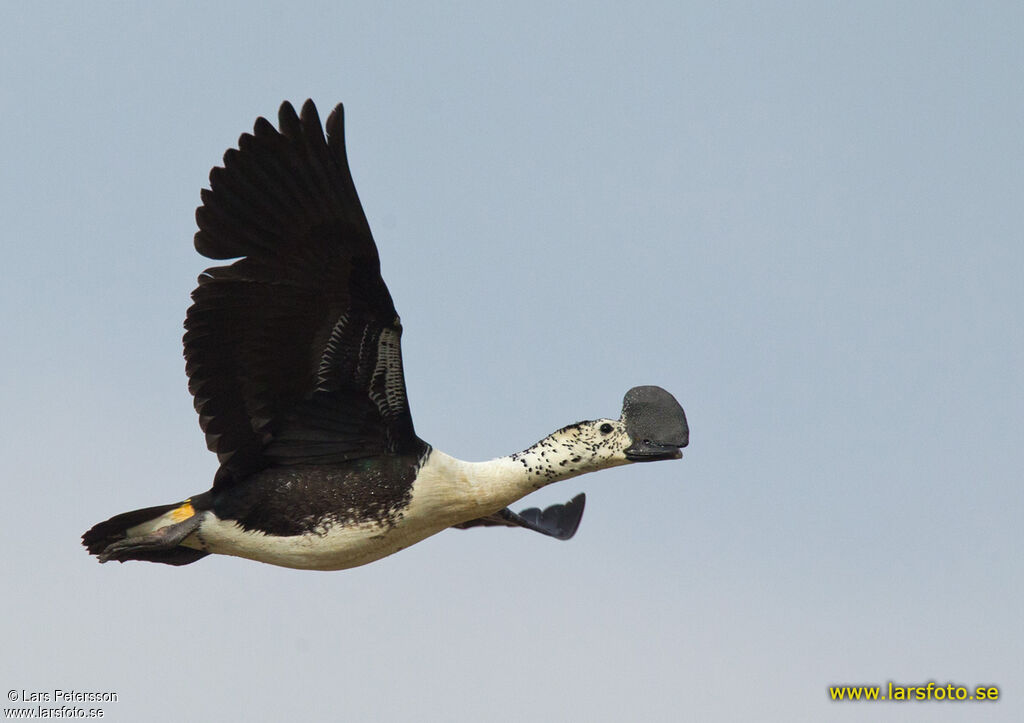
pixel 560 521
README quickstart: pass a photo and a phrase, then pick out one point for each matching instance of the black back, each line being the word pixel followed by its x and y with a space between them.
pixel 293 352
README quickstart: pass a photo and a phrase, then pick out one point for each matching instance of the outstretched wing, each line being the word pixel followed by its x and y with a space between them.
pixel 558 521
pixel 293 352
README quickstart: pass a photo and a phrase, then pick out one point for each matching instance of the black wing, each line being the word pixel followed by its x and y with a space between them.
pixel 558 521
pixel 293 352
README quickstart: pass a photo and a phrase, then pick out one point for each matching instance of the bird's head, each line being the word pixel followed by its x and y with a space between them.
pixel 655 423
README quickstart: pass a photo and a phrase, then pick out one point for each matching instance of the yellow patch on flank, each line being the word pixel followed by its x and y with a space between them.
pixel 184 512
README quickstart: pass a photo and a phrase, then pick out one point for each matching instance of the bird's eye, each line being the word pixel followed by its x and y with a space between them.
pixel 606 428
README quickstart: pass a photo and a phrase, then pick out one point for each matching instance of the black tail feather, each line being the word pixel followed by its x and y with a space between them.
pixel 175 556
pixel 104 534
pixel 113 530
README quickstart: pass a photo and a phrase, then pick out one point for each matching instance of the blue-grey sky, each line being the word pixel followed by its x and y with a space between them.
pixel 803 219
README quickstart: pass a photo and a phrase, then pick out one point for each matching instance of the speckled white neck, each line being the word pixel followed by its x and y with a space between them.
pixel 571 451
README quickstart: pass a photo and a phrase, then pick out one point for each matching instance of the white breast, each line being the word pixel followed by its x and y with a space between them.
pixel 442 495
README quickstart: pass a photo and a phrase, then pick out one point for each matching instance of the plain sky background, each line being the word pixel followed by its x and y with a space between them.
pixel 803 219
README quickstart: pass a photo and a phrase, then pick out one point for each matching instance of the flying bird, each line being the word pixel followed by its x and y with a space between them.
pixel 293 355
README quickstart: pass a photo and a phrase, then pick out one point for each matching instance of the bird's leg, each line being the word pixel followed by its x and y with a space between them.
pixel 164 538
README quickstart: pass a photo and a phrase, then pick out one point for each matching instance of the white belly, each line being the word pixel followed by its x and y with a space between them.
pixel 335 548
pixel 441 497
